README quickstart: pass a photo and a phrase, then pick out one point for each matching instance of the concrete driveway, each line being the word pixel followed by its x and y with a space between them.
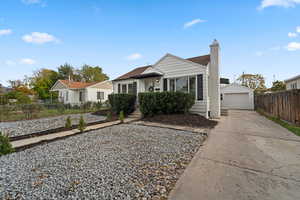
pixel 245 157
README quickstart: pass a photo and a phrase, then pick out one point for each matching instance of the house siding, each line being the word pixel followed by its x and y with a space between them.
pixel 173 67
pixel 92 94
pixel 289 84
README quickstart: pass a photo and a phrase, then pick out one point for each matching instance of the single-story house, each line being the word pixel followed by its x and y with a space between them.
pixel 293 83
pixel 197 75
pixel 75 93
pixel 236 96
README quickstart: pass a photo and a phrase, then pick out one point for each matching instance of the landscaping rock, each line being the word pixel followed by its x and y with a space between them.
pixel 120 162
pixel 26 127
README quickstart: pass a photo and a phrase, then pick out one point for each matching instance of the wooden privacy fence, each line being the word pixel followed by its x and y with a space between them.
pixel 284 105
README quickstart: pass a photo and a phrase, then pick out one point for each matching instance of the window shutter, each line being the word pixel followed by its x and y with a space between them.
pixel 119 88
pixel 134 88
pixel 200 87
pixel 165 86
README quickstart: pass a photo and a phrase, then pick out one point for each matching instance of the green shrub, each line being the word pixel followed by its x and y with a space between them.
pixel 121 116
pixel 20 97
pixel 122 102
pixel 81 125
pixel 5 145
pixel 152 103
pixel 68 122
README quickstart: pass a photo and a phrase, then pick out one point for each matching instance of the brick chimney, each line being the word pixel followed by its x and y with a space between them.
pixel 214 80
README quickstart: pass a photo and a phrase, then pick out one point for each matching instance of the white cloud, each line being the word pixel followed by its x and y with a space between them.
pixel 293 46
pixel 5 32
pixel 278 3
pixel 134 56
pixel 27 61
pixel 39 38
pixel 10 62
pixel 292 35
pixel 193 22
pixel 298 29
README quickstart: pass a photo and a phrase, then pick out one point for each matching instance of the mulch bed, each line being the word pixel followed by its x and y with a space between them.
pixel 190 120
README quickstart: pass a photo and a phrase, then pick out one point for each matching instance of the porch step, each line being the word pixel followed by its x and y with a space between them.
pixel 224 112
pixel 136 114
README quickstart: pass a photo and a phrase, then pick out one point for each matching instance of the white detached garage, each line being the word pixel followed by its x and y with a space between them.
pixel 235 96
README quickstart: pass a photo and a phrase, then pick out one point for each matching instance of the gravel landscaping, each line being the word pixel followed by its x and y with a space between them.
pixel 119 162
pixel 26 127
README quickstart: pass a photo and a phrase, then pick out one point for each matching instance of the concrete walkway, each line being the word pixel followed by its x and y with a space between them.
pixel 34 140
pixel 245 157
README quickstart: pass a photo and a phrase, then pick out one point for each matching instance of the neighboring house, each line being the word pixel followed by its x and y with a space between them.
pixel 236 96
pixel 197 75
pixel 4 90
pixel 293 83
pixel 70 92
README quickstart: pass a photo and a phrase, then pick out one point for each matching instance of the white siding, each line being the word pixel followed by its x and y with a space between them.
pixel 289 84
pixel 172 66
pixel 92 94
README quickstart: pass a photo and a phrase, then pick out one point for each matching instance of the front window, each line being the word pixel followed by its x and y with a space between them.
pixel 100 95
pixel 185 84
pixel 124 88
pixel 130 88
pixel 182 84
pixel 67 96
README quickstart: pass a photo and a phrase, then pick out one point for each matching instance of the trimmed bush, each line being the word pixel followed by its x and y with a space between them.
pixel 81 125
pixel 121 117
pixel 5 145
pixel 68 122
pixel 122 102
pixel 152 103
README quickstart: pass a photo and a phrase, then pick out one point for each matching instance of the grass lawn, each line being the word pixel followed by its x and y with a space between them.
pixel 293 128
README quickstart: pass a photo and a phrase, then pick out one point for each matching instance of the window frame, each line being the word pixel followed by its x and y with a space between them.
pixel 188 76
pixel 100 95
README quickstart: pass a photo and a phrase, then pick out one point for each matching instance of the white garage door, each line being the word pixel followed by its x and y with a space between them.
pixel 236 101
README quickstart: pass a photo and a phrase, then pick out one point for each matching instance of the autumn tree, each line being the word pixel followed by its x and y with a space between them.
pixel 278 86
pixel 253 81
pixel 66 71
pixel 42 81
pixel 92 74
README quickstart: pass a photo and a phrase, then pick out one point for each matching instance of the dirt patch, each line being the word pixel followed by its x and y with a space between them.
pixel 190 120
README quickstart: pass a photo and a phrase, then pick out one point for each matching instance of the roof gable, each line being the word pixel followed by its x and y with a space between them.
pixel 236 86
pixel 200 60
pixel 59 85
pixel 102 85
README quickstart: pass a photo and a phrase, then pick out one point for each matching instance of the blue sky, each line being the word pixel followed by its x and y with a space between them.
pixel 256 36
